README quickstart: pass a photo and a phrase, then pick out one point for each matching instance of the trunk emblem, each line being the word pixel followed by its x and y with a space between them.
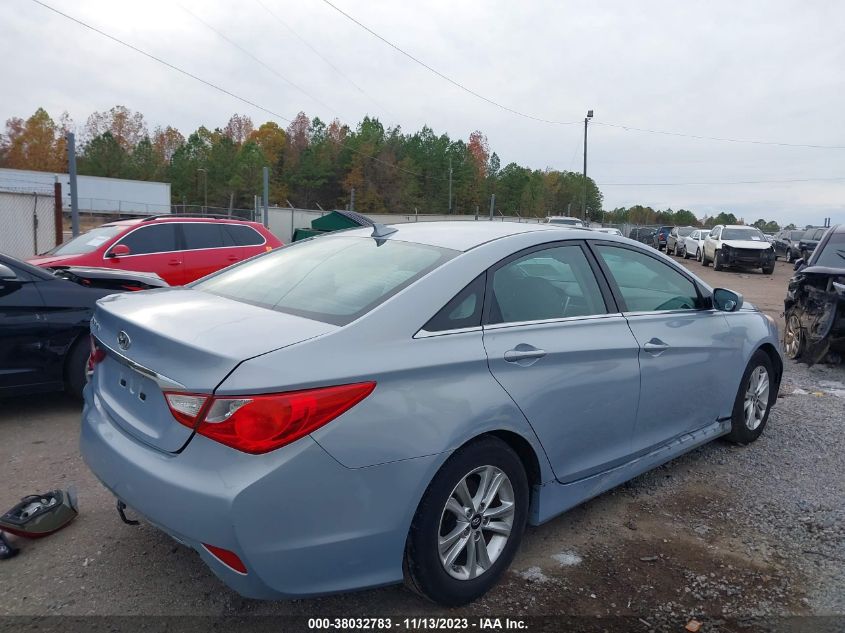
pixel 123 340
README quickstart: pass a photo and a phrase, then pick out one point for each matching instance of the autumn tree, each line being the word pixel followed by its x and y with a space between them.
pixel 126 127
pixel 37 143
pixel 239 128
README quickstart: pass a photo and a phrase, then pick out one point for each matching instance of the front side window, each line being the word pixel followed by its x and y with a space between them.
pixel 646 284
pixel 552 283
pixel 332 278
pixel 156 238
pixel 715 233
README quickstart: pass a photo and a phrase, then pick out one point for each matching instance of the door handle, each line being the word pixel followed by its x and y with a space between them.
pixel 175 262
pixel 524 353
pixel 232 258
pixel 655 347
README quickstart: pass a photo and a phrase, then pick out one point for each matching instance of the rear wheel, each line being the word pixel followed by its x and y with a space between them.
pixel 76 367
pixel 793 338
pixel 698 254
pixel 789 256
pixel 753 400
pixel 468 525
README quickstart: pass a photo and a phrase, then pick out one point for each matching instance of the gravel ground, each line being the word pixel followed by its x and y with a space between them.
pixel 721 534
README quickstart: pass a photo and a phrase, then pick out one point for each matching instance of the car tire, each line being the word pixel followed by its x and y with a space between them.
pixel 76 367
pixel 789 256
pixel 425 571
pixel 698 254
pixel 768 270
pixel 793 336
pixel 703 259
pixel 717 260
pixel 757 393
pixel 684 253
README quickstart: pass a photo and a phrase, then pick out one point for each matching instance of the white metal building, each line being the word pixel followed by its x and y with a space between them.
pixel 96 194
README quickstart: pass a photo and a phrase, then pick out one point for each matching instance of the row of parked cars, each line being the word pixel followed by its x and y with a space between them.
pixel 46 303
pixel 724 246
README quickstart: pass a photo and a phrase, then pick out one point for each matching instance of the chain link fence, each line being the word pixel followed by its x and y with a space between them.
pixel 28 224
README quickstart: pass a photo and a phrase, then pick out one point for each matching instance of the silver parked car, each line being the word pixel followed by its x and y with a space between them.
pixel 357 409
pixel 692 244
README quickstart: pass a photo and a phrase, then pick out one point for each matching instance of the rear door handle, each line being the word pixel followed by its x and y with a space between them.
pixel 524 355
pixel 232 258
pixel 655 347
pixel 175 262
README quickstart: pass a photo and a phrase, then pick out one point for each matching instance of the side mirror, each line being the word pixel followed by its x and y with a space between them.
pixel 798 263
pixel 726 300
pixel 121 250
pixel 6 273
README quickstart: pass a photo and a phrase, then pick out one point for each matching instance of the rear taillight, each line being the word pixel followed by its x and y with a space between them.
pixel 262 423
pixel 96 356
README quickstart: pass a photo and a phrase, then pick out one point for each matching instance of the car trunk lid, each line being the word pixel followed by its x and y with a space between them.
pixel 179 340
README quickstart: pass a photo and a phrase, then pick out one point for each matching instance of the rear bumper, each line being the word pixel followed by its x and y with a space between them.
pixel 302 524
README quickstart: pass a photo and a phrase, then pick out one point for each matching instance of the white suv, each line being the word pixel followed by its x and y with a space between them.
pixel 738 245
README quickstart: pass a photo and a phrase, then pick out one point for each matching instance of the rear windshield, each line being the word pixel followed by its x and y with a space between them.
pixel 87 242
pixel 330 279
pixel 833 253
pixel 566 221
pixel 748 234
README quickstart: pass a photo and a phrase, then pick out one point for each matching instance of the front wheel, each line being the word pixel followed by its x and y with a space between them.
pixel 757 393
pixel 793 337
pixel 468 525
pixel 717 260
pixel 684 253
pixel 789 256
pixel 768 270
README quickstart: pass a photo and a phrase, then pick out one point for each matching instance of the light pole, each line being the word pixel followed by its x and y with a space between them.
pixel 205 186
pixel 584 203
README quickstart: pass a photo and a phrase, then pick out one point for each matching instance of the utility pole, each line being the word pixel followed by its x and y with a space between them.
pixel 492 205
pixel 205 187
pixel 352 199
pixel 450 185
pixel 74 195
pixel 584 205
pixel 266 196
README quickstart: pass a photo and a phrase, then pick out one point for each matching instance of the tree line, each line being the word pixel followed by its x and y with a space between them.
pixel 311 163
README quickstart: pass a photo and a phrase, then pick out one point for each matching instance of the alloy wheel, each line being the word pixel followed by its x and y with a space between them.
pixel 792 337
pixel 698 254
pixel 476 523
pixel 756 397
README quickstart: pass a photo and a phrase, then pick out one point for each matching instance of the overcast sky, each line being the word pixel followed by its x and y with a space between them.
pixel 765 70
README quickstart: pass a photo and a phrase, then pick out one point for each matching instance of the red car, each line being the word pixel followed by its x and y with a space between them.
pixel 178 249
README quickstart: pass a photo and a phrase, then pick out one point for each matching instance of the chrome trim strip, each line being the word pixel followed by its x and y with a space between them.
pixel 562 320
pixel 461 330
pixel 161 380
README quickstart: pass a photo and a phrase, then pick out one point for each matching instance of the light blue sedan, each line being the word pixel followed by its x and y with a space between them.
pixel 378 405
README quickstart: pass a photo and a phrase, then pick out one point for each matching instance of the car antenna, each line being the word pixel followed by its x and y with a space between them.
pixel 381 231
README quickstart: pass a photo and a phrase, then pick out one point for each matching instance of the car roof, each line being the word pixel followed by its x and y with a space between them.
pixel 738 226
pixel 465 235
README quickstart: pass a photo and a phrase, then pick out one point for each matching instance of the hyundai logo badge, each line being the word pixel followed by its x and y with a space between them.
pixel 123 340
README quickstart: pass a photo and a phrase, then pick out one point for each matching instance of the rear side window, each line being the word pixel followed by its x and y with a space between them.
pixel 463 311
pixel 203 235
pixel 330 279
pixel 553 283
pixel 646 284
pixel 156 238
pixel 242 235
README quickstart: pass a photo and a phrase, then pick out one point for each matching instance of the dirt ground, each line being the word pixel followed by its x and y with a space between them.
pixel 724 534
